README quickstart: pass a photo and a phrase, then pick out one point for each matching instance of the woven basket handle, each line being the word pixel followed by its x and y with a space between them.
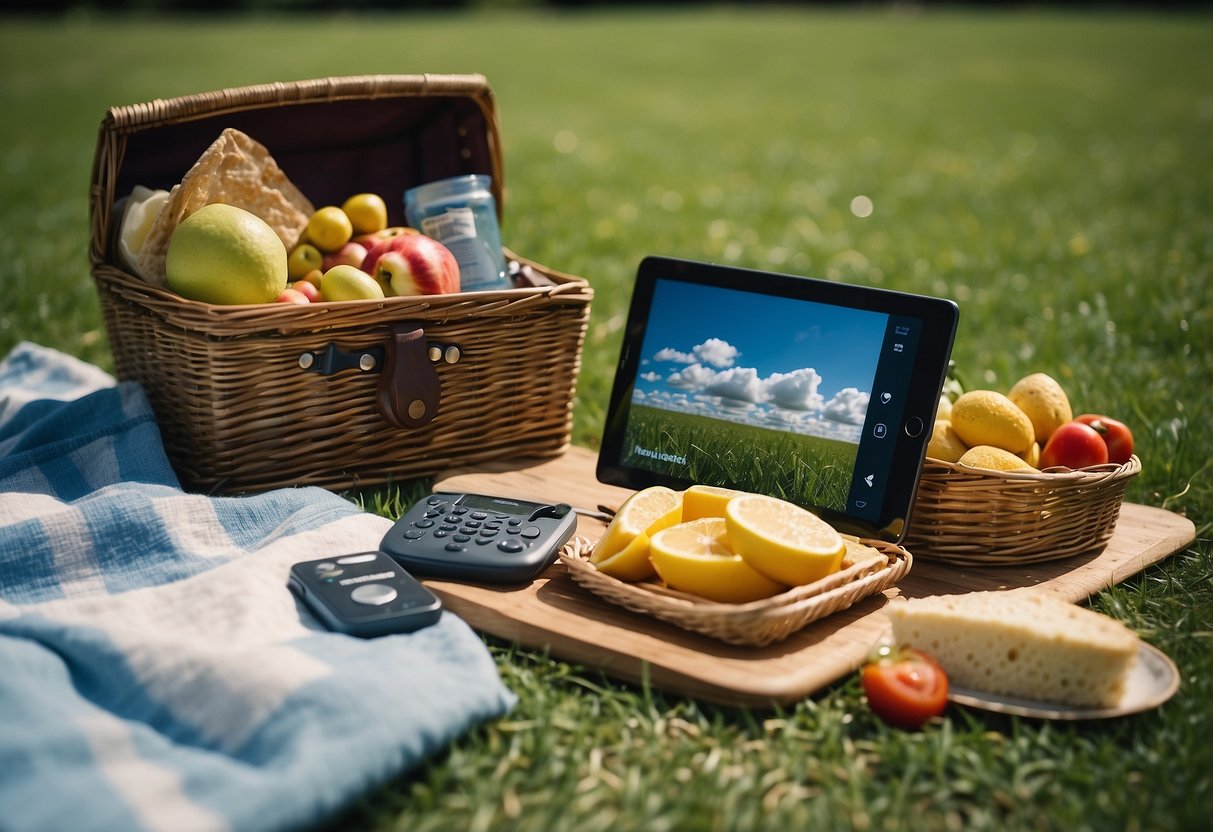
pixel 409 389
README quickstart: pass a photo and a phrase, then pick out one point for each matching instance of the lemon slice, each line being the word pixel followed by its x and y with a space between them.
pixel 783 541
pixel 700 501
pixel 695 557
pixel 623 550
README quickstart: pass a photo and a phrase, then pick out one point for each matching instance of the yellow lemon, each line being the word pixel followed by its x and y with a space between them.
pixel 1045 403
pixel 623 549
pixel 1032 455
pixel 783 541
pixel 328 229
pixel 987 417
pixel 225 255
pixel 705 501
pixel 945 443
pixel 993 459
pixel 695 557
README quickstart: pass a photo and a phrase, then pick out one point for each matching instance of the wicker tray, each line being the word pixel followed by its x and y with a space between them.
pixel 756 623
pixel 256 397
pixel 975 517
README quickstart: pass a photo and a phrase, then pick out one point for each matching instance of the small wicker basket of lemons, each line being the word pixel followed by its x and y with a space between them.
pixel 739 567
pixel 1008 481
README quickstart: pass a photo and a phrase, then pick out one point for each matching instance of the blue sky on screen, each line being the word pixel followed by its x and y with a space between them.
pixel 760 360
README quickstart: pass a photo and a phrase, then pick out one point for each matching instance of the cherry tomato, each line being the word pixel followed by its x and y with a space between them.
pixel 905 687
pixel 1116 435
pixel 1074 445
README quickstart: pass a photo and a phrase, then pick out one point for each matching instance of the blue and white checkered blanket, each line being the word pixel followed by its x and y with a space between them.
pixel 155 672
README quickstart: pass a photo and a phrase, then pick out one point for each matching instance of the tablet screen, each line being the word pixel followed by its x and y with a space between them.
pixel 816 392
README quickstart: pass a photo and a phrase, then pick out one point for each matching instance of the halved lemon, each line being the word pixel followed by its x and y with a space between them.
pixel 695 557
pixel 623 550
pixel 700 501
pixel 783 541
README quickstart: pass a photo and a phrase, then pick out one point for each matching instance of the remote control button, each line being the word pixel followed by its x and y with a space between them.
pixel 373 595
pixel 479 515
pixel 531 532
pixel 440 533
pixel 489 532
pixel 432 513
pixel 483 541
pixel 459 510
pixel 414 534
pixel 514 521
pixel 451 518
pixel 492 525
pixel 434 500
pixel 510 545
pixel 424 524
pixel 448 527
pixel 455 547
pixel 513 530
pixel 500 516
pixel 472 524
pixel 462 538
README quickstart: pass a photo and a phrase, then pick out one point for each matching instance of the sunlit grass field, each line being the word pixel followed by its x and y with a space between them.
pixel 1051 172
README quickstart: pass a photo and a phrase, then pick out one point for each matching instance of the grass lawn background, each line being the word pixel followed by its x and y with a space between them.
pixel 1052 173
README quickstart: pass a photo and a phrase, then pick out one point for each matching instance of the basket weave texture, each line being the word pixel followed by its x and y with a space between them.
pixel 238 406
pixel 757 623
pixel 977 517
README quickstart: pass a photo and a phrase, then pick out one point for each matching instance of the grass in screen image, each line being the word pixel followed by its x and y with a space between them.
pixel 742 456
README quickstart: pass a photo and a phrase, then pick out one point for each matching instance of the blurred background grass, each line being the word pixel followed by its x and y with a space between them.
pixel 1050 171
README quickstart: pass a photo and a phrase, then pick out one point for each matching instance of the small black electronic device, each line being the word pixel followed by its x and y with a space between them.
pixel 365 594
pixel 475 537
pixel 819 392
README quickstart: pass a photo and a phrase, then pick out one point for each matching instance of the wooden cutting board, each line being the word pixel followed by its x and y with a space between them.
pixel 555 613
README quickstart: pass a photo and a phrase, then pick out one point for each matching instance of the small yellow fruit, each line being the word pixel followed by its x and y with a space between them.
pixel 944 409
pixel 1032 455
pixel 700 501
pixel 1044 401
pixel 945 443
pixel 367 213
pixel 783 541
pixel 328 229
pixel 986 417
pixel 993 459
pixel 623 549
pixel 695 557
pixel 225 255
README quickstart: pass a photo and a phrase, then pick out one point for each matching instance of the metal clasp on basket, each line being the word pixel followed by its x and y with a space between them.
pixel 409 389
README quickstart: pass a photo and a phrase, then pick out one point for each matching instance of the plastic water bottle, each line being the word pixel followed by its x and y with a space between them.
pixel 460 213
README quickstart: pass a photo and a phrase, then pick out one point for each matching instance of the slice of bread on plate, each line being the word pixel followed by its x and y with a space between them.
pixel 1021 643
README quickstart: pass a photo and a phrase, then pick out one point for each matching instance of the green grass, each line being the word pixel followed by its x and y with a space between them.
pixel 1053 173
pixel 744 456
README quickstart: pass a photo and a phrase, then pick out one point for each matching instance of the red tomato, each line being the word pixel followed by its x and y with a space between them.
pixel 1074 445
pixel 1116 435
pixel 905 687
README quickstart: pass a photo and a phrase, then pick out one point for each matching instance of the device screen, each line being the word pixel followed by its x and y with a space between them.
pixel 767 389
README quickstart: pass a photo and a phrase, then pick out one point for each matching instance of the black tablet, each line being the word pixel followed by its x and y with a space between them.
pixel 817 392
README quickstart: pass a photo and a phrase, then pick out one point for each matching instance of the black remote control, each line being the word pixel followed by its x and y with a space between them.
pixel 365 594
pixel 478 538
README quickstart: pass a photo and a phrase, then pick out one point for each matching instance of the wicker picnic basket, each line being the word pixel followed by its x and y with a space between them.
pixel 872 566
pixel 255 397
pixel 976 517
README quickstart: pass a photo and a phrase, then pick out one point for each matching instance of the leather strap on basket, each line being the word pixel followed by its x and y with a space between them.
pixel 408 383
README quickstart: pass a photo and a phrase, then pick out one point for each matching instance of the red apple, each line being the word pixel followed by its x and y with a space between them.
pixel 413 264
pixel 292 296
pixel 308 289
pixel 373 237
pixel 350 254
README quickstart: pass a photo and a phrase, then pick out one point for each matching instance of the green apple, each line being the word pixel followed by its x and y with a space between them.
pixel 302 259
pixel 347 282
pixel 225 255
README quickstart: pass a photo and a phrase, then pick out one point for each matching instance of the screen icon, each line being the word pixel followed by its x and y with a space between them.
pixel 880 431
pixel 886 397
